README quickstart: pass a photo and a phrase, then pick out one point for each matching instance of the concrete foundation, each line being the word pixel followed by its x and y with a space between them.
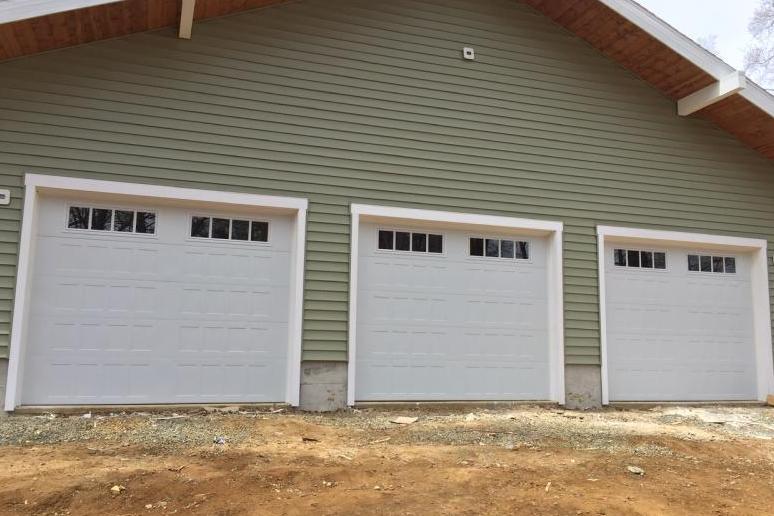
pixel 323 386
pixel 583 387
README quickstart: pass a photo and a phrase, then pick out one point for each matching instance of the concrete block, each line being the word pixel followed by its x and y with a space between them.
pixel 323 386
pixel 583 387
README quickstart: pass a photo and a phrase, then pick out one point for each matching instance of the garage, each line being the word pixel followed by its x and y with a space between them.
pixel 138 300
pixel 453 313
pixel 680 318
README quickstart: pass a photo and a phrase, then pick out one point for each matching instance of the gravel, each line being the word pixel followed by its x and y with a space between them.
pixel 528 427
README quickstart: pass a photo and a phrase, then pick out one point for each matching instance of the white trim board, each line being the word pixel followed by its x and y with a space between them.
pixel 430 218
pixel 715 92
pixel 35 184
pixel 759 280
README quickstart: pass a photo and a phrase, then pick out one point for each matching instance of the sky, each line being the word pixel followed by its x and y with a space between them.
pixel 726 19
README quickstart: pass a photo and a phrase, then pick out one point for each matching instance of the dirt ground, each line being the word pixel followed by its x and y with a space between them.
pixel 526 460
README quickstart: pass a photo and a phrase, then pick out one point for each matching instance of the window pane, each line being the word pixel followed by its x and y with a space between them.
pixel 200 226
pixel 146 222
pixel 476 247
pixel 123 220
pixel 693 262
pixel 717 264
pixel 101 219
pixel 522 250
pixel 259 231
pixel 435 243
pixel 78 218
pixel 619 257
pixel 646 260
pixel 659 260
pixel 240 229
pixel 633 258
pixel 402 241
pixel 506 249
pixel 419 242
pixel 730 264
pixel 492 247
pixel 386 239
pixel 706 263
pixel 220 228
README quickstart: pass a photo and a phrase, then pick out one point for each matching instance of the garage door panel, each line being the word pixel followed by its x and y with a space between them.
pixel 218 339
pixel 159 300
pixel 195 301
pixel 679 335
pixel 389 271
pixel 403 381
pixel 129 318
pixel 510 313
pixel 233 266
pixel 400 308
pixel 70 255
pixel 499 281
pixel 675 318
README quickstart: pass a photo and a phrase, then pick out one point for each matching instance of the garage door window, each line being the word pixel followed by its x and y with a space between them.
pixel 222 228
pixel 713 264
pixel 639 259
pixel 499 248
pixel 390 240
pixel 109 219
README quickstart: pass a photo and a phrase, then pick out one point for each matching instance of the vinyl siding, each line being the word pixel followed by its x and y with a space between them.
pixel 370 102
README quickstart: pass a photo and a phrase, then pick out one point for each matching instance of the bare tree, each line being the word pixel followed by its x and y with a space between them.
pixel 759 60
pixel 709 42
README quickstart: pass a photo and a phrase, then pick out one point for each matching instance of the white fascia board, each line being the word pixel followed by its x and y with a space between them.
pixel 472 219
pixel 16 10
pixel 164 192
pixel 715 92
pixel 760 97
pixel 621 234
pixel 689 49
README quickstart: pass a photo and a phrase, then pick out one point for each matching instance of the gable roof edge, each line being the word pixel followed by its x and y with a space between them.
pixel 687 48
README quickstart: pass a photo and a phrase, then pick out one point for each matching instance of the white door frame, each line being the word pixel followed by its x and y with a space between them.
pixel 35 184
pixel 759 279
pixel 553 230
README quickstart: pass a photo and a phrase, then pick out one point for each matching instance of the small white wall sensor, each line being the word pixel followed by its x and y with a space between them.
pixel 5 197
pixel 468 53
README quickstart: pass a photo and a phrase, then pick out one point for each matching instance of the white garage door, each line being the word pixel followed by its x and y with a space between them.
pixel 451 315
pixel 679 325
pixel 156 304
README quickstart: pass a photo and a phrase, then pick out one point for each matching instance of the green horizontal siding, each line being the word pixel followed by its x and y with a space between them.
pixel 348 101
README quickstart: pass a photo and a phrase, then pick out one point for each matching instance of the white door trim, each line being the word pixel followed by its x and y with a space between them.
pixel 759 278
pixel 553 230
pixel 35 183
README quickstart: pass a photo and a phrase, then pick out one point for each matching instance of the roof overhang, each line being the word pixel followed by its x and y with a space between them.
pixel 699 82
pixel 690 50
pixel 673 63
